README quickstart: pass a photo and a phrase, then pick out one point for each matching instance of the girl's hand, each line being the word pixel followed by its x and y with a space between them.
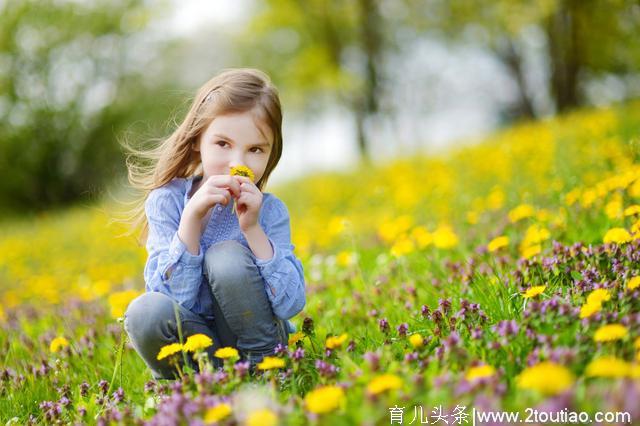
pixel 217 189
pixel 248 204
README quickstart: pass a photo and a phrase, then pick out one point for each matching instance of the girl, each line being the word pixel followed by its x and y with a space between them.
pixel 219 249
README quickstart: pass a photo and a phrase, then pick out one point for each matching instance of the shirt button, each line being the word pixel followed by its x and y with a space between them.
pixel 219 208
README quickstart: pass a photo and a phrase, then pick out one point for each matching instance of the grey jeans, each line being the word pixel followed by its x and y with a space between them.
pixel 243 317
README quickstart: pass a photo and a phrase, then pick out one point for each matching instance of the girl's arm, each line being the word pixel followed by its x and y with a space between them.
pixel 283 273
pixel 171 269
pixel 259 243
pixel 189 230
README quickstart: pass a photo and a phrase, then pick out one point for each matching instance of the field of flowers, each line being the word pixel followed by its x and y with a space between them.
pixel 502 275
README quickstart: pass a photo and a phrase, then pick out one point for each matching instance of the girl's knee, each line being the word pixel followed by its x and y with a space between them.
pixel 228 264
pixel 147 313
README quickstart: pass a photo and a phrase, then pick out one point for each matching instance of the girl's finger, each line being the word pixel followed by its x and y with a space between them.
pixel 224 181
pixel 248 187
pixel 220 191
pixel 243 179
pixel 244 199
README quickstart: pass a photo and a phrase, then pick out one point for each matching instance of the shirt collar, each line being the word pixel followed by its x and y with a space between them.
pixel 189 185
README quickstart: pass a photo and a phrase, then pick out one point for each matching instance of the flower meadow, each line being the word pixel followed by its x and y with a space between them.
pixel 500 275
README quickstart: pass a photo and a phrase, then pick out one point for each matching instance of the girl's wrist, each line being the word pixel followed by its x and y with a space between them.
pixel 252 230
pixel 259 242
pixel 190 214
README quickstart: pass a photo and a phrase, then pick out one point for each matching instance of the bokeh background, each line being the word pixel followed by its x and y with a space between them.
pixel 462 177
pixel 364 79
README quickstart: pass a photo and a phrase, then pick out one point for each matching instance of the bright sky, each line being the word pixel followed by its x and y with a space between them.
pixel 189 15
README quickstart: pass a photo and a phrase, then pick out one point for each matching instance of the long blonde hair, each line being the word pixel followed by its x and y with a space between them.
pixel 231 91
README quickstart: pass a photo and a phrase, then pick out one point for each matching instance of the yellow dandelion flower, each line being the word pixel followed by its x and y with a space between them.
pixel 572 196
pixel 472 217
pixel 610 332
pixel 384 383
pixel 421 236
pixel 242 171
pixel 416 340
pixel 217 413
pixel 495 199
pixel 264 417
pixel 608 366
pixel 589 309
pixel 498 243
pixel 546 377
pixel 636 343
pixel 168 350
pixel 534 291
pixel 522 211
pixel 226 352
pixel 345 258
pixel 598 296
pixel 613 209
pixel 196 342
pixel 633 283
pixel 324 399
pixel 403 246
pixel 119 301
pixel 394 228
pixel 444 237
pixel 617 235
pixel 337 225
pixel 535 234
pixel 58 343
pixel 529 252
pixel 634 189
pixel 295 338
pixel 479 372
pixel 632 210
pixel 271 362
pixel 588 197
pixel 336 341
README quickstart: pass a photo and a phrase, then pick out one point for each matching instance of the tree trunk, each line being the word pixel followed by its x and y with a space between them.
pixel 564 55
pixel 510 56
pixel 361 136
pixel 371 42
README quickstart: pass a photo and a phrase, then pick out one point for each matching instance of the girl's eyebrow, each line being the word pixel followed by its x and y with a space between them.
pixel 265 144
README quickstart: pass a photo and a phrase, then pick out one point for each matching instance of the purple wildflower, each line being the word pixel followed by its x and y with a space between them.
pixel 384 325
pixel 298 354
pixel 402 329
pixel 326 369
pixel 241 368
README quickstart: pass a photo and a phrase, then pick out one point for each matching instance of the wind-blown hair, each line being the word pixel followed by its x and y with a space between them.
pixel 234 90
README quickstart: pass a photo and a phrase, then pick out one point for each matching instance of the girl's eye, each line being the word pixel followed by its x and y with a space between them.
pixel 221 143
pixel 257 149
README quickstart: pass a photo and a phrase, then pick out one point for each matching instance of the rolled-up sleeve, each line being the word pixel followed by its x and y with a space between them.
pixel 283 273
pixel 170 268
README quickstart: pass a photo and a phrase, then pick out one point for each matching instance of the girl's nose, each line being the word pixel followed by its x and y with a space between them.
pixel 236 160
pixel 235 164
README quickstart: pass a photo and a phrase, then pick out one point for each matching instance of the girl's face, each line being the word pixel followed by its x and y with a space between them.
pixel 235 139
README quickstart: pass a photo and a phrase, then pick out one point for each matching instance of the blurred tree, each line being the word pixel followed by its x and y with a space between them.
pixel 68 86
pixel 584 39
pixel 321 50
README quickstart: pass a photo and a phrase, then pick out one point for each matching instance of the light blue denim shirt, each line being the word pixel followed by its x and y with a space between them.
pixel 172 270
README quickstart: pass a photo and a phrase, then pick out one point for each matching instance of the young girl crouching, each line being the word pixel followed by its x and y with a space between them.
pixel 219 249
